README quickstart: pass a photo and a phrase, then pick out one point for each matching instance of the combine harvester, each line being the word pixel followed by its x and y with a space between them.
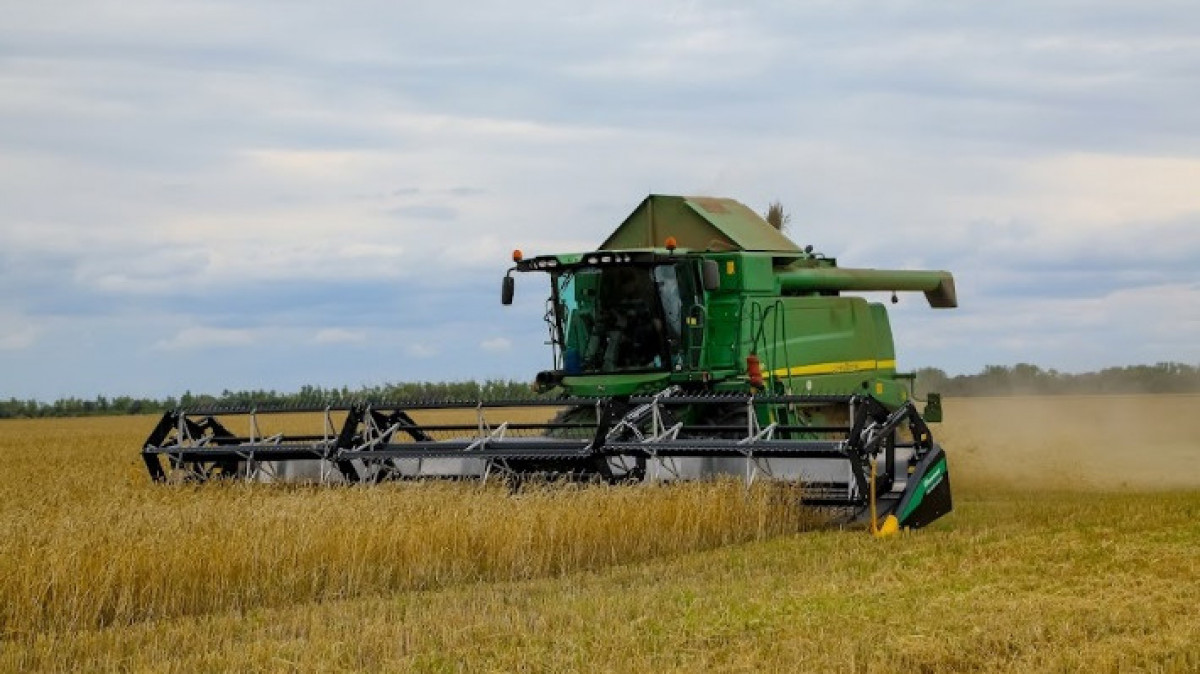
pixel 696 342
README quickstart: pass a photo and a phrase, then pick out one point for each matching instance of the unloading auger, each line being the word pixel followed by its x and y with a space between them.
pixel 727 351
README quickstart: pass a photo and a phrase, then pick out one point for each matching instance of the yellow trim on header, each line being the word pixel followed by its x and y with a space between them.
pixel 840 367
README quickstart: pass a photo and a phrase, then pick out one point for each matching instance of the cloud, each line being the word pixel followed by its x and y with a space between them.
pixel 496 344
pixel 339 336
pixel 425 212
pixel 206 337
pixel 420 350
pixel 271 175
pixel 1151 324
pixel 15 336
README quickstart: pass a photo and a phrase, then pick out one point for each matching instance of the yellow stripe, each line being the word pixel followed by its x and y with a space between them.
pixel 840 367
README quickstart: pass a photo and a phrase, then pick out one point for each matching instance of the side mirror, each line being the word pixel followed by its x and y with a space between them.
pixel 710 273
pixel 506 290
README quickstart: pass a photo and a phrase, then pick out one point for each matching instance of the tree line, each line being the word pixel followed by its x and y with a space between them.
pixel 1027 379
pixel 307 396
pixel 993 380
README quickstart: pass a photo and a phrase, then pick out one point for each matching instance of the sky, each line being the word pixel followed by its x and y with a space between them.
pixel 210 195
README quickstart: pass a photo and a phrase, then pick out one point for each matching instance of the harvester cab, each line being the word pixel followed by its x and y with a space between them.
pixel 696 342
pixel 625 313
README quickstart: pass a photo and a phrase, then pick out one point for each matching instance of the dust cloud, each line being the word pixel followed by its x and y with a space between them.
pixel 1133 442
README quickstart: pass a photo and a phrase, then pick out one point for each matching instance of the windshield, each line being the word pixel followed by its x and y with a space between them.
pixel 614 319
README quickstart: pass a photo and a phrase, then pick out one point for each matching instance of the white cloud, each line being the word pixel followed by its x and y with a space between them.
pixel 205 337
pixel 318 165
pixel 1087 192
pixel 496 344
pixel 420 350
pixel 339 336
pixel 15 336
pixel 1125 326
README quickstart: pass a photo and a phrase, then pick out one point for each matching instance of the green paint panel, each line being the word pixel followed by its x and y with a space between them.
pixel 935 475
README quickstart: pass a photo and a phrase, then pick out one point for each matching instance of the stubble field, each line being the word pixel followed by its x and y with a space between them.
pixel 1074 546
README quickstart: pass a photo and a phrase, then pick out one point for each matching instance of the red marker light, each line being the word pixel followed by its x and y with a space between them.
pixel 754 371
pixel 672 244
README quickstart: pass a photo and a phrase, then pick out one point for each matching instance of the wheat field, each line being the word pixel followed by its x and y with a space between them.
pixel 1073 546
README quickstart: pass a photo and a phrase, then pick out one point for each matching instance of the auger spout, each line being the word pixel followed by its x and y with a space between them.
pixel 938 286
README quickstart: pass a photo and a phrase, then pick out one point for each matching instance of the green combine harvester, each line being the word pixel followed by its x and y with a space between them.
pixel 696 342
